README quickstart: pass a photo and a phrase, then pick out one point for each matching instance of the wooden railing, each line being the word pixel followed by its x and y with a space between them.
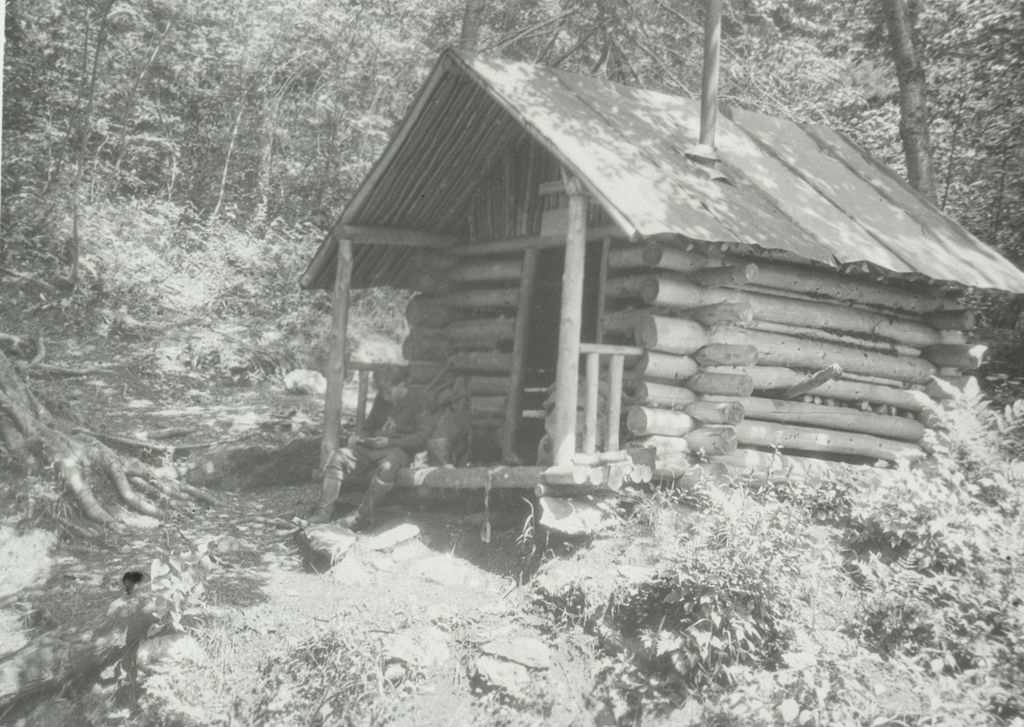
pixel 616 356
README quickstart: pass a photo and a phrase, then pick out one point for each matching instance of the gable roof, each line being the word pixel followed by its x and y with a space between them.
pixel 779 186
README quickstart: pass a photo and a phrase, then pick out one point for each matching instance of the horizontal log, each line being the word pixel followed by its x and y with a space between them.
pixel 487 407
pixel 487 271
pixel 482 361
pixel 642 421
pixel 832 417
pixel 963 357
pixel 721 313
pixel 622 321
pixel 665 366
pixel 769 378
pixel 724 354
pixel 571 475
pixel 715 412
pixel 843 339
pixel 674 459
pixel 605 349
pixel 532 242
pixel 952 336
pixel 739 274
pixel 493 329
pixel 481 298
pixel 712 440
pixel 665 290
pixel 488 385
pixel 470 478
pixel 812 281
pixel 426 344
pixel 750 432
pixel 426 311
pixel 432 281
pixel 663 445
pixel 775 464
pixel 666 257
pixel 781 350
pixel 627 257
pixel 670 335
pixel 721 383
pixel 952 320
pixel 422 373
pixel 845 318
pixel 665 396
pixel 624 286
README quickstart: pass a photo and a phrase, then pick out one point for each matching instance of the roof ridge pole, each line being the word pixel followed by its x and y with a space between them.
pixel 567 372
pixel 336 362
pixel 705 148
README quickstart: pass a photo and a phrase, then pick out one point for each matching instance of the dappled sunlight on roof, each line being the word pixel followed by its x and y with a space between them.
pixel 778 186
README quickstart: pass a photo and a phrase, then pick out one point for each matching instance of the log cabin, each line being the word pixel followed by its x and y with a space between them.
pixel 618 271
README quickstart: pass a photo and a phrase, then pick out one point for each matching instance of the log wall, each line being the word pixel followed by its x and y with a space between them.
pixel 745 356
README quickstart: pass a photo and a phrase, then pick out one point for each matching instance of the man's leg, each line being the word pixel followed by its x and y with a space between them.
pixel 389 461
pixel 345 462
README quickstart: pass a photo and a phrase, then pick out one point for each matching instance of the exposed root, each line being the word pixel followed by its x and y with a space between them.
pixel 80 461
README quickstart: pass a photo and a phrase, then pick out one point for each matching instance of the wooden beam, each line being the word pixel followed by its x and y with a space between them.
pixel 514 405
pixel 471 478
pixel 571 318
pixel 337 354
pixel 398 237
pixel 602 280
pixel 615 367
pixel 364 391
pixel 590 404
pixel 605 349
pixel 533 242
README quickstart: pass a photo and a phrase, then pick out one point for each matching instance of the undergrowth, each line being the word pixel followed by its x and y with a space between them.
pixel 868 597
pixel 220 298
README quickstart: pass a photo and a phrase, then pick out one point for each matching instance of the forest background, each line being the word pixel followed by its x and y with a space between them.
pixel 164 153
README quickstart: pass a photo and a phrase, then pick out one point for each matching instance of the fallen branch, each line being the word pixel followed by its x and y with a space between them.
pixel 58 370
pixel 29 279
pixel 169 433
pixel 142 444
pixel 40 351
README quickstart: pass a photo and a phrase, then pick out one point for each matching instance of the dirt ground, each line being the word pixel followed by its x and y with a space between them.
pixel 420 616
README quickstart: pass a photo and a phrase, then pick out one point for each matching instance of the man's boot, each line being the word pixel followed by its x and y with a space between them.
pixel 361 516
pixel 329 490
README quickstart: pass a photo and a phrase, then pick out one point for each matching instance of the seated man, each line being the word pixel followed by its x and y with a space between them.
pixel 398 426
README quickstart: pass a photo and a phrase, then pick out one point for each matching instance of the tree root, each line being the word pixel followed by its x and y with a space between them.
pixel 146 445
pixel 33 437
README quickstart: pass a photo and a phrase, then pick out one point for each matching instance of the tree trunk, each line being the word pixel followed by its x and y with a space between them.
pixel 35 440
pixel 469 37
pixel 83 141
pixel 917 145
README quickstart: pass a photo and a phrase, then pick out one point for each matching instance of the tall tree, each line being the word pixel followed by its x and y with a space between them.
pixel 469 38
pixel 84 129
pixel 914 120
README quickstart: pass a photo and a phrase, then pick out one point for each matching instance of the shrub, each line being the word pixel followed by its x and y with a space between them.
pixel 720 598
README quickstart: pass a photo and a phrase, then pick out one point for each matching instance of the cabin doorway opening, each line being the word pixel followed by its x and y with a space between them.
pixel 542 338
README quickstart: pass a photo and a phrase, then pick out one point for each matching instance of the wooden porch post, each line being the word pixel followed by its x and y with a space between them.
pixel 514 403
pixel 567 372
pixel 338 353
